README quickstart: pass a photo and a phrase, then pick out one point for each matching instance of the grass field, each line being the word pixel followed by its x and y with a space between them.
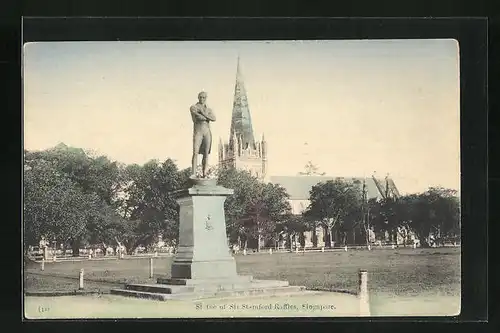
pixel 396 277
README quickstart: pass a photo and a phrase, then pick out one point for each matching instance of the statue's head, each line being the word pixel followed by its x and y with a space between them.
pixel 202 97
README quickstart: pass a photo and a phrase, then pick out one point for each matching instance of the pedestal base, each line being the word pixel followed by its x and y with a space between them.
pixel 190 269
pixel 187 289
pixel 238 279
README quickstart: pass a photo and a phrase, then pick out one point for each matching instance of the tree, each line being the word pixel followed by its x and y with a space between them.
pixel 435 215
pixel 128 205
pixel 245 189
pixel 254 209
pixel 94 176
pixel 149 203
pixel 54 206
pixel 332 203
pixel 400 221
pixel 432 216
pixel 386 217
pixel 445 207
pixel 371 218
pixel 309 224
pixel 265 211
pixel 106 227
pixel 292 226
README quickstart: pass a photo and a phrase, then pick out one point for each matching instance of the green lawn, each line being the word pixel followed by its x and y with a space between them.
pixel 392 273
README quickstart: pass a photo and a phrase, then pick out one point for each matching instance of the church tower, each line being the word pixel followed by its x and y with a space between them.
pixel 242 150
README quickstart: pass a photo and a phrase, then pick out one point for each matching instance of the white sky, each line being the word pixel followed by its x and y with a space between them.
pixel 352 107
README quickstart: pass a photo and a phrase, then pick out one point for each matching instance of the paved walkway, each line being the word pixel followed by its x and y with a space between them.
pixel 309 304
pixel 110 306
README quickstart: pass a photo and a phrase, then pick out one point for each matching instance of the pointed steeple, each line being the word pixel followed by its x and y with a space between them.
pixel 233 144
pixel 241 122
pixel 238 68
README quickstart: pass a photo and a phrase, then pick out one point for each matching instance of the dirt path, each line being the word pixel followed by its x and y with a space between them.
pixel 108 306
pixel 333 305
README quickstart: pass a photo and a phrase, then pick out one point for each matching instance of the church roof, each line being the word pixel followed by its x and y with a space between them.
pixel 241 121
pixel 298 187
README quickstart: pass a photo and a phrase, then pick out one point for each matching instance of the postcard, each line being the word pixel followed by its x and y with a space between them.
pixel 209 179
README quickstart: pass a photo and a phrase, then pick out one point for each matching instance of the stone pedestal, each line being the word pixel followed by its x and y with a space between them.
pixel 203 265
pixel 203 251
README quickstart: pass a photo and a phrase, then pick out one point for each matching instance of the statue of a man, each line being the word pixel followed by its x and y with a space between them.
pixel 202 136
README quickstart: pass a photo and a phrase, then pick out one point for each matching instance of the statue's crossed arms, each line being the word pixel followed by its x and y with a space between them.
pixel 200 112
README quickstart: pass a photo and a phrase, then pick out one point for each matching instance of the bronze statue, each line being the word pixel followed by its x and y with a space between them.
pixel 202 115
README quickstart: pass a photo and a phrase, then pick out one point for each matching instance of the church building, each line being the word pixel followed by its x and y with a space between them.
pixel 244 152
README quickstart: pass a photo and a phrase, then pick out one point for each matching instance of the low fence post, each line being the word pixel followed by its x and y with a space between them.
pixel 81 279
pixel 270 251
pixel 364 300
pixel 43 264
pixel 151 267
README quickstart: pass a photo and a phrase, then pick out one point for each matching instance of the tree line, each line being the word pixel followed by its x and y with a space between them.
pixel 78 198
pixel 344 207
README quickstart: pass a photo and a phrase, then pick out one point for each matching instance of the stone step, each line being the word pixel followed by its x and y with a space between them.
pixel 186 282
pixel 208 287
pixel 159 288
pixel 212 287
pixel 274 291
pixel 254 291
pixel 140 294
pixel 270 283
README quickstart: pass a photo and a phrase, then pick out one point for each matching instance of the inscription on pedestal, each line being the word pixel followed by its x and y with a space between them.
pixel 208 224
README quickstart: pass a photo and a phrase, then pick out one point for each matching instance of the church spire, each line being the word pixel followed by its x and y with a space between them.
pixel 238 70
pixel 241 122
